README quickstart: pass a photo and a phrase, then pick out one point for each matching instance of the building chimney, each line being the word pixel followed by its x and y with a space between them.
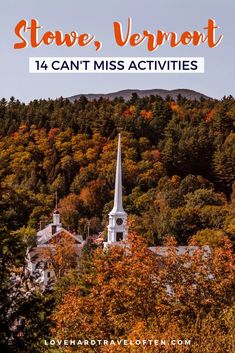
pixel 42 224
pixel 53 229
pixel 70 229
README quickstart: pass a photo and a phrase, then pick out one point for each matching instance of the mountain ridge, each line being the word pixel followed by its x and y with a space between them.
pixel 127 93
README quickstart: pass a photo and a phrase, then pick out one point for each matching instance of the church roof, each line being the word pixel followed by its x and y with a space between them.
pixel 164 250
pixel 46 234
pixel 40 252
pixel 181 250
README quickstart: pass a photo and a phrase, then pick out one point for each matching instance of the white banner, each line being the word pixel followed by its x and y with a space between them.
pixel 116 65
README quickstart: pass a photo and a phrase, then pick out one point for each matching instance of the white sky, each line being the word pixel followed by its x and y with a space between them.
pixel 97 17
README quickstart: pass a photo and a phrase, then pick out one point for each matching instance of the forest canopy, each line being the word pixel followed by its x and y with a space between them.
pixel 178 163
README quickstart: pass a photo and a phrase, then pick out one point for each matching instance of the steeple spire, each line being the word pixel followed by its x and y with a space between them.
pixel 118 207
pixel 117 228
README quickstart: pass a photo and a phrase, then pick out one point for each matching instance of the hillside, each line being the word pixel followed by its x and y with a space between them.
pixel 127 93
pixel 178 163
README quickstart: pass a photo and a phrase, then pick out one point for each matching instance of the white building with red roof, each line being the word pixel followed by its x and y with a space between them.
pixel 38 257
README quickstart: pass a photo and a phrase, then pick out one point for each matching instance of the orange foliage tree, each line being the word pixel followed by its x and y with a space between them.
pixel 135 294
pixel 61 256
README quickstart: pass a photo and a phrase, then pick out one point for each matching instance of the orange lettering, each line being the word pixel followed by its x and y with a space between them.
pixel 19 27
pixel 136 39
pixel 48 38
pixel 34 33
pixel 212 42
pixel 198 38
pixel 156 40
pixel 85 39
pixel 119 35
pixel 186 38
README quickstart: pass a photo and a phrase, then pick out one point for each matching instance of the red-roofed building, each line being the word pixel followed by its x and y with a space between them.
pixel 39 257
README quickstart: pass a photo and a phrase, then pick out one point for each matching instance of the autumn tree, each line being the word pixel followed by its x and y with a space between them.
pixel 224 161
pixel 24 310
pixel 61 254
pixel 132 292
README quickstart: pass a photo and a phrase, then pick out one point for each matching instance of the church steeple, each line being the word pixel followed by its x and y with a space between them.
pixel 56 218
pixel 56 214
pixel 117 207
pixel 117 228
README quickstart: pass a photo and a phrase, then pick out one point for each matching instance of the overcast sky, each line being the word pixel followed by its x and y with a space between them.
pixel 97 17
